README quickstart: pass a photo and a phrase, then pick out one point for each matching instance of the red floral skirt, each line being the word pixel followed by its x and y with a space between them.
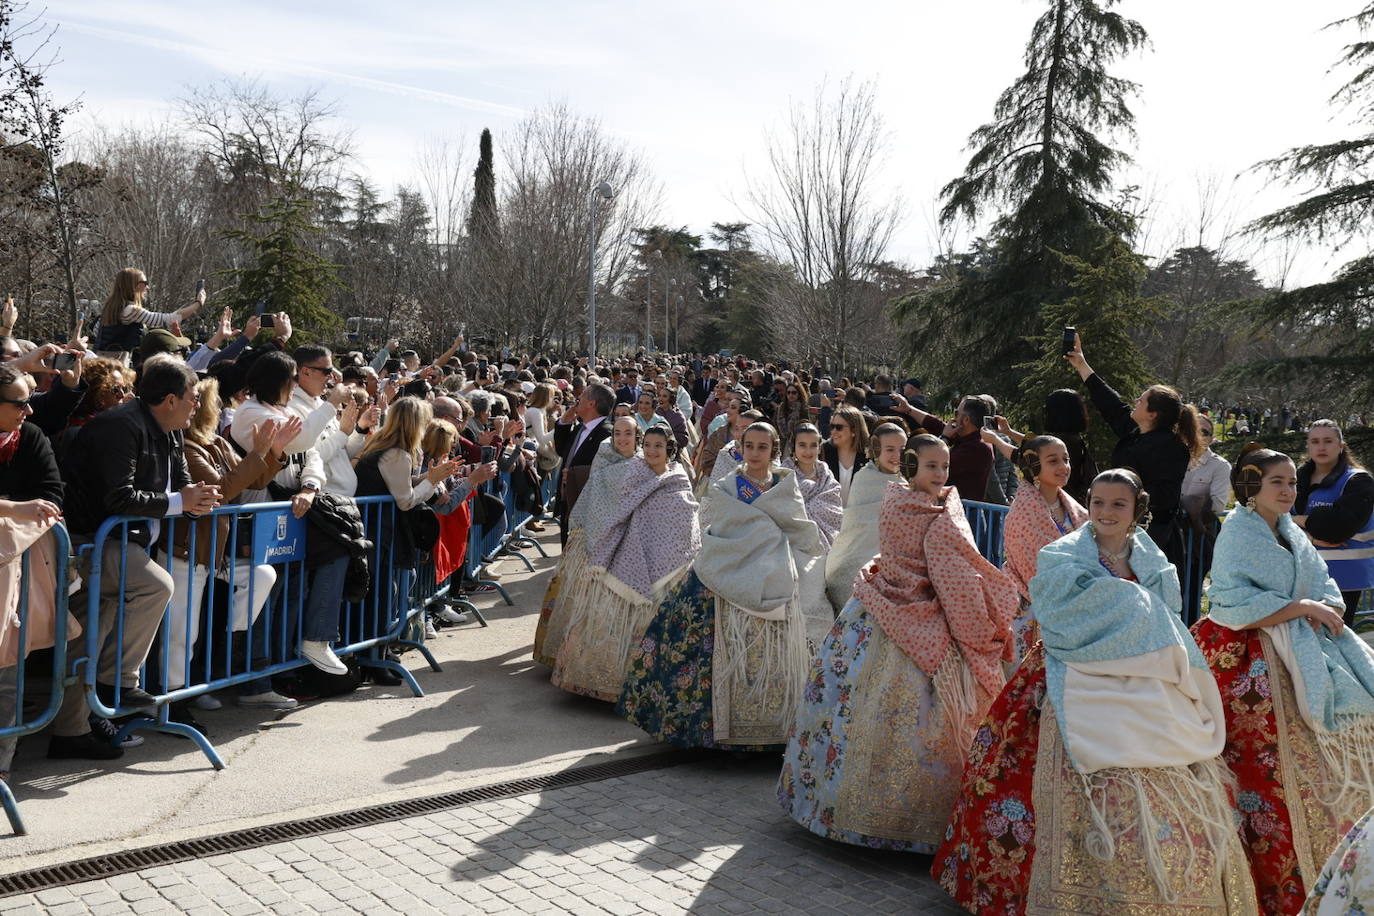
pixel 985 860
pixel 1238 662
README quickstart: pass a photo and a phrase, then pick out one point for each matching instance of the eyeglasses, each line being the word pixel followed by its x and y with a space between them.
pixel 20 404
pixel 122 389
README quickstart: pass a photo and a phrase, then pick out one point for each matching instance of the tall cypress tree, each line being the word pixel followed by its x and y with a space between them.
pixel 482 221
pixel 1337 316
pixel 1047 165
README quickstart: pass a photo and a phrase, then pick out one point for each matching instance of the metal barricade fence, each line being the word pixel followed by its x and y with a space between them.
pixel 988 522
pixel 22 717
pixel 264 550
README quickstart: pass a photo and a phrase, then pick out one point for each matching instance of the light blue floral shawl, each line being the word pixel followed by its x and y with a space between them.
pixel 1088 615
pixel 1253 576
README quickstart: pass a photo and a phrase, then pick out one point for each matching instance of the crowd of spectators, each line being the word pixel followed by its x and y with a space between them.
pixel 142 422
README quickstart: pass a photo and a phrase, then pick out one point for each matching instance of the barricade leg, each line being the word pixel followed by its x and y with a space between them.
pixel 165 725
pixel 7 799
pixel 467 607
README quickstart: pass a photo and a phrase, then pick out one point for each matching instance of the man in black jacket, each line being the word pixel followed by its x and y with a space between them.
pixel 577 445
pixel 128 460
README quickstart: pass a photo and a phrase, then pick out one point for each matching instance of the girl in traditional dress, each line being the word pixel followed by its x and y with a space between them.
pixel 646 541
pixel 857 542
pixel 1299 685
pixel 1040 513
pixel 821 494
pixel 731 454
pixel 568 588
pixel 1095 784
pixel 724 660
pixel 909 669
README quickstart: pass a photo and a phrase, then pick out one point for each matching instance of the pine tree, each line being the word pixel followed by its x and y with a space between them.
pixel 482 221
pixel 1106 309
pixel 285 273
pixel 1046 164
pixel 1337 315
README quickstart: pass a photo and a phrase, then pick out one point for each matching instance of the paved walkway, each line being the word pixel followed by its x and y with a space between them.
pixel 701 838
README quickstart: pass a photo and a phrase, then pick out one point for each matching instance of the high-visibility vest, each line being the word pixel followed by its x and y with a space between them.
pixel 1352 563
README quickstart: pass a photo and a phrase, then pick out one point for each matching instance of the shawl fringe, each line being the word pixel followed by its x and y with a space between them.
pixel 783 654
pixel 1201 790
pixel 958 691
pixel 1349 757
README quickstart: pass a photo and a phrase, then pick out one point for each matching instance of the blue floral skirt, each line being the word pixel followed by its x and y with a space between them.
pixel 677 693
pixel 870 760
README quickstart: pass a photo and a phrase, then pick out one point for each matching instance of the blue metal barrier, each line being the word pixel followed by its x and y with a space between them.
pixel 58 678
pixel 988 522
pixel 271 628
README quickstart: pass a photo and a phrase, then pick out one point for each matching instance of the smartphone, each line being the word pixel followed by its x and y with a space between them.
pixel 482 368
pixel 1070 337
pixel 990 423
pixel 64 362
pixel 200 287
pixel 269 321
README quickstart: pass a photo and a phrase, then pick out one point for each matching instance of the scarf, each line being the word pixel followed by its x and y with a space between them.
pixel 931 590
pixel 649 533
pixel 9 445
pixel 1129 686
pixel 857 542
pixel 821 495
pixel 596 498
pixel 746 548
pixel 1029 527
pixel 1253 576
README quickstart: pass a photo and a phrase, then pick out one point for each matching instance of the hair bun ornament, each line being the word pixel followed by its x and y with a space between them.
pixel 910 463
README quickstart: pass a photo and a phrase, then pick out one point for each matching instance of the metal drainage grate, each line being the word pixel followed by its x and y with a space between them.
pixel 99 867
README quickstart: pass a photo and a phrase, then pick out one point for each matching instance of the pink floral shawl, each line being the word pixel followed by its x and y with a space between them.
pixel 930 589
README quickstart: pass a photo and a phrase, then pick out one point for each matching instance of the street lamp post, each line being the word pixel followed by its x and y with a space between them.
pixel 603 191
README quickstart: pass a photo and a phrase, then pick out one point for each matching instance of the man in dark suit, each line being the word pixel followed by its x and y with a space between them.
pixel 629 392
pixel 128 460
pixel 576 444
pixel 701 388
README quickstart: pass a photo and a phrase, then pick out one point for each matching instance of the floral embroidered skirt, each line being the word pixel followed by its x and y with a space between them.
pixel 1288 831
pixel 692 685
pixel 1018 840
pixel 559 598
pixel 595 654
pixel 870 760
pixel 1346 883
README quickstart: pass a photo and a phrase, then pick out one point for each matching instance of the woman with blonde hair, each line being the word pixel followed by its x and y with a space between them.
pixel 123 318
pixel 391 457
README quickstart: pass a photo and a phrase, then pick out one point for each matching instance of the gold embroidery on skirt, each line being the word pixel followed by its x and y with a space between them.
pixel 759 670
pixel 1065 878
pixel 1317 828
pixel 595 655
pixel 572 593
pixel 902 766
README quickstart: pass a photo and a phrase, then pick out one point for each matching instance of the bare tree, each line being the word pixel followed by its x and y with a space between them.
pixel 823 214
pixel 261 142
pixel 155 212
pixel 555 160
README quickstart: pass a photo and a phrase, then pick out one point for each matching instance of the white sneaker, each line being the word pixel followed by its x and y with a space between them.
pixel 269 700
pixel 321 655
pixel 207 701
pixel 430 631
pixel 447 615
pixel 491 575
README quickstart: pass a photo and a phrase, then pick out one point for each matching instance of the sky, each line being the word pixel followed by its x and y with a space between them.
pixel 694 87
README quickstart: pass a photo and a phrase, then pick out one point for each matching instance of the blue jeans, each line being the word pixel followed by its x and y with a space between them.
pixel 323 601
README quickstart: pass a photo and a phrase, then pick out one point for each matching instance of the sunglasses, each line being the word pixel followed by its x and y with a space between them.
pixel 835 426
pixel 17 403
